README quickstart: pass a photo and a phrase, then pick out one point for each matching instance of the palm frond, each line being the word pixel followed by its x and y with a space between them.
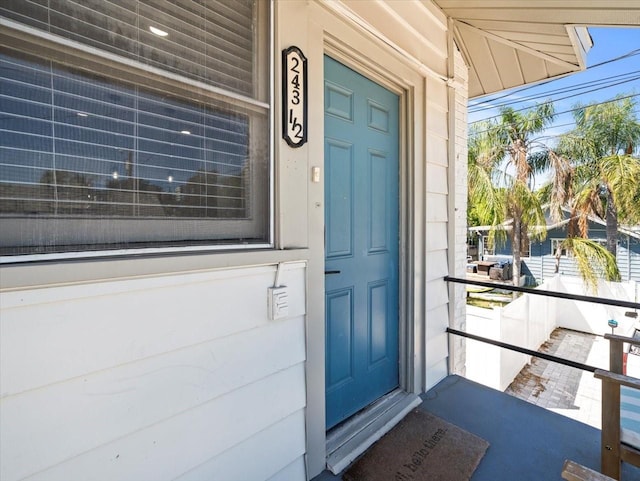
pixel 593 261
pixel 622 175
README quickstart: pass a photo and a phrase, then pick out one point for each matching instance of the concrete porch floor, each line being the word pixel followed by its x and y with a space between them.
pixel 527 443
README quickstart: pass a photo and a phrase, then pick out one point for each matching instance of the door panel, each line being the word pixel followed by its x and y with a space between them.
pixel 338 188
pixel 339 330
pixel 361 240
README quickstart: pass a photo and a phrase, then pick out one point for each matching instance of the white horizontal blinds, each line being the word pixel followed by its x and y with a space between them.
pixel 29 12
pixel 79 144
pixel 97 158
pixel 207 40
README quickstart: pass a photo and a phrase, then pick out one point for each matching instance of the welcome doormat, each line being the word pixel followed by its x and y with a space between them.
pixel 422 447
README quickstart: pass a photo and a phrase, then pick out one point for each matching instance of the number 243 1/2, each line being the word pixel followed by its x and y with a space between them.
pixel 294 96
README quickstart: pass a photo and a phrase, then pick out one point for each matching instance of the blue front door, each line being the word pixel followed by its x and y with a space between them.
pixel 361 240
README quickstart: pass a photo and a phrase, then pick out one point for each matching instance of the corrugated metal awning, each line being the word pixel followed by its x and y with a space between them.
pixel 508 43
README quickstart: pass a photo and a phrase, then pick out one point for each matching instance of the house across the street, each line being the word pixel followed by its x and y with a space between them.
pixel 540 259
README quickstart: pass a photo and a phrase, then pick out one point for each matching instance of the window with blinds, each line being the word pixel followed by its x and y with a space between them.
pixel 129 124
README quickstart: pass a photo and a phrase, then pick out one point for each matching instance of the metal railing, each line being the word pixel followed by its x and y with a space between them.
pixel 541 292
pixel 537 292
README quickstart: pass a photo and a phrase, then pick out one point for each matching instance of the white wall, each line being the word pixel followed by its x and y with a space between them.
pixel 491 365
pixel 590 317
pixel 168 377
pixel 514 330
pixel 483 360
pixel 458 217
pixel 529 321
pixel 446 219
pixel 437 231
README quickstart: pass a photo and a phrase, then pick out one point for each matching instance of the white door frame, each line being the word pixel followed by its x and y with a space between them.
pixel 402 79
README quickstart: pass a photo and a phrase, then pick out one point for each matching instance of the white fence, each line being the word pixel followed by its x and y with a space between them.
pixel 529 320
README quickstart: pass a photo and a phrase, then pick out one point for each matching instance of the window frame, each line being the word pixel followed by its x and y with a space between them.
pixel 486 251
pixel 554 246
pixel 70 52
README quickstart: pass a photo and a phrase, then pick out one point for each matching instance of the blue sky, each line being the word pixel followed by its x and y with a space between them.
pixel 609 43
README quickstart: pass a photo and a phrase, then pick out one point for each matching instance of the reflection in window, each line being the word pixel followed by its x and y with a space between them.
pixel 79 144
pixel 99 158
pixel 211 41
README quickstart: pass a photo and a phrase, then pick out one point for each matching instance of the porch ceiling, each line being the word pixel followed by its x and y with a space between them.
pixel 508 43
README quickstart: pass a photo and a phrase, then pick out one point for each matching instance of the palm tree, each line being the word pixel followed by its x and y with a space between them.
pixel 504 156
pixel 606 183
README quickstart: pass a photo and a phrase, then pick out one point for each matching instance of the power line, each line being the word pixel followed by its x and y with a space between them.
pixel 564 133
pixel 564 98
pixel 565 111
pixel 561 89
pixel 548 93
pixel 621 57
pixel 632 53
pixel 555 126
pixel 602 83
pixel 568 97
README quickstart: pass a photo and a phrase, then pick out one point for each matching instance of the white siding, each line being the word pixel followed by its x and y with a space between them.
pixel 173 377
pixel 436 216
pixel 260 455
pixel 542 267
pixel 629 261
pixel 405 24
pixel 295 470
pixel 446 222
pixel 458 291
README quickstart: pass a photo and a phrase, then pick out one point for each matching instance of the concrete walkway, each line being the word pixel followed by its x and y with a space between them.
pixel 568 391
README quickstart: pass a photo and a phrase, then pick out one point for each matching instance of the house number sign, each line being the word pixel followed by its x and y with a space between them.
pixel 294 95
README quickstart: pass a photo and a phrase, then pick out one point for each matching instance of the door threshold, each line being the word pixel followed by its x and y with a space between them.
pixel 353 437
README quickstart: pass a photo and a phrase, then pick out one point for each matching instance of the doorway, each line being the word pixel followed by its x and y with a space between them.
pixel 362 212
